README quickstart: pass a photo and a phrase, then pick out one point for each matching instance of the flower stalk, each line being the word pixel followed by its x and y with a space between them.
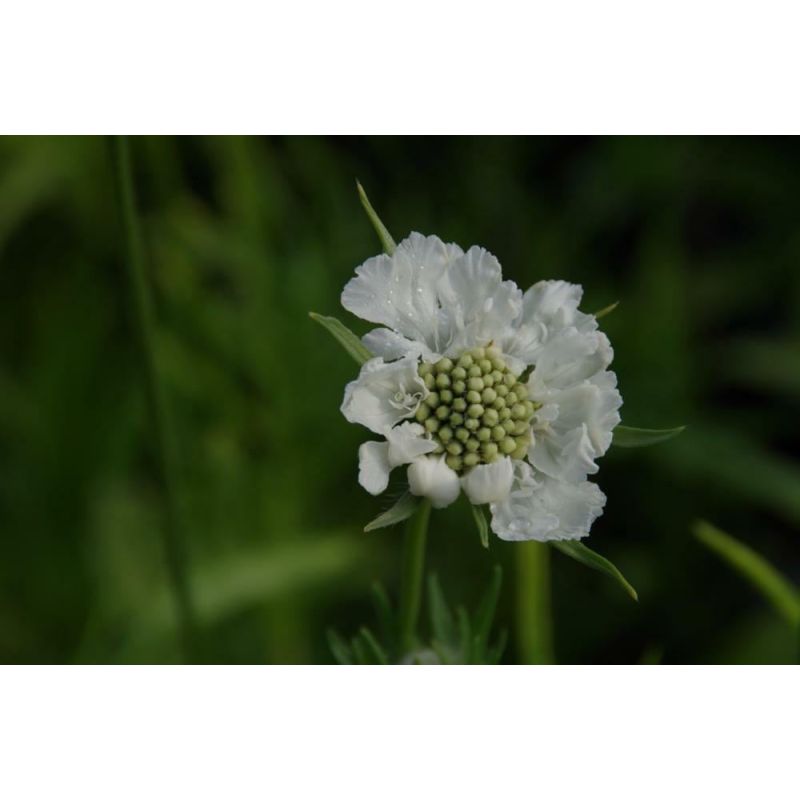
pixel 534 611
pixel 413 573
pixel 142 307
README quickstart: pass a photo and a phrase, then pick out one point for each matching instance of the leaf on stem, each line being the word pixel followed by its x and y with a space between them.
pixel 485 615
pixel 442 622
pixel 383 611
pixel 339 648
pixel 580 552
pixel 756 569
pixel 385 237
pixel 495 652
pixel 401 510
pixel 643 437
pixel 481 523
pixel 607 310
pixel 344 336
pixel 377 653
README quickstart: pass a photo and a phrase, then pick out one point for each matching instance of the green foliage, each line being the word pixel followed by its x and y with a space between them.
pixel 643 437
pixel 605 311
pixel 385 237
pixel 481 524
pixel 405 506
pixel 455 638
pixel 346 338
pixel 458 638
pixel 756 570
pixel 582 554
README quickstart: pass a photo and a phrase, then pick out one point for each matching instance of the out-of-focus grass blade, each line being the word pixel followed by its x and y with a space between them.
pixel 383 611
pixel 361 651
pixel 344 336
pixel 495 652
pixel 378 653
pixel 485 613
pixel 226 586
pixel 756 569
pixel 480 522
pixel 607 310
pixel 734 462
pixel 339 648
pixel 385 237
pixel 643 437
pixel 580 552
pixel 770 364
pixel 400 511
pixel 464 631
pixel 442 622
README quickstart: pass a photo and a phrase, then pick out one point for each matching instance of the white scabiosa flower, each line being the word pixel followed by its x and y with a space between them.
pixel 477 386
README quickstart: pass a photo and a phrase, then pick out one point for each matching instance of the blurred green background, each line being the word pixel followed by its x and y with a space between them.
pixel 697 237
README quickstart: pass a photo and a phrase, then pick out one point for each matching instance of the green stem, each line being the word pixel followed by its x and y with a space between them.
pixel 534 613
pixel 156 402
pixel 413 573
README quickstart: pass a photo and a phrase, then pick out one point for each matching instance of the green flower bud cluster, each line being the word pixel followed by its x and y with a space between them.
pixel 476 410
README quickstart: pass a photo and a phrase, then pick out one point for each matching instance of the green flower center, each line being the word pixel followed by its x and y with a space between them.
pixel 476 410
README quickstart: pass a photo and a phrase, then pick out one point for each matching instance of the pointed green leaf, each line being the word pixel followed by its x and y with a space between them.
pixel 464 633
pixel 401 510
pixel 442 622
pixel 486 609
pixel 756 569
pixel 607 310
pixel 383 611
pixel 344 336
pixel 483 526
pixel 372 646
pixel 580 552
pixel 495 652
pixel 642 437
pixel 339 648
pixel 385 237
pixel 361 651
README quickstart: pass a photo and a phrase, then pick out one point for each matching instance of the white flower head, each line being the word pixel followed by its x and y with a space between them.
pixel 476 385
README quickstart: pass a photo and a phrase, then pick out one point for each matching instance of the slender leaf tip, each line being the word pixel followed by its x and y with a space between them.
pixel 346 338
pixel 607 310
pixel 405 506
pixel 762 575
pixel 626 436
pixel 584 555
pixel 387 242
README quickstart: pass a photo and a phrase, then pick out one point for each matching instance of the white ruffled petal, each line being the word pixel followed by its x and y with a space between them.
pixel 548 309
pixel 407 442
pixel 521 516
pixel 542 508
pixel 373 466
pixel 569 357
pixel 566 455
pixel 574 427
pixel 477 306
pixel 383 394
pixel 489 483
pixel 554 303
pixel 576 505
pixel 399 291
pixel 391 346
pixel 430 477
pixel 376 460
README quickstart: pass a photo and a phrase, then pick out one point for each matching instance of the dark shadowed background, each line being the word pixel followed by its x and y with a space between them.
pixel 697 237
